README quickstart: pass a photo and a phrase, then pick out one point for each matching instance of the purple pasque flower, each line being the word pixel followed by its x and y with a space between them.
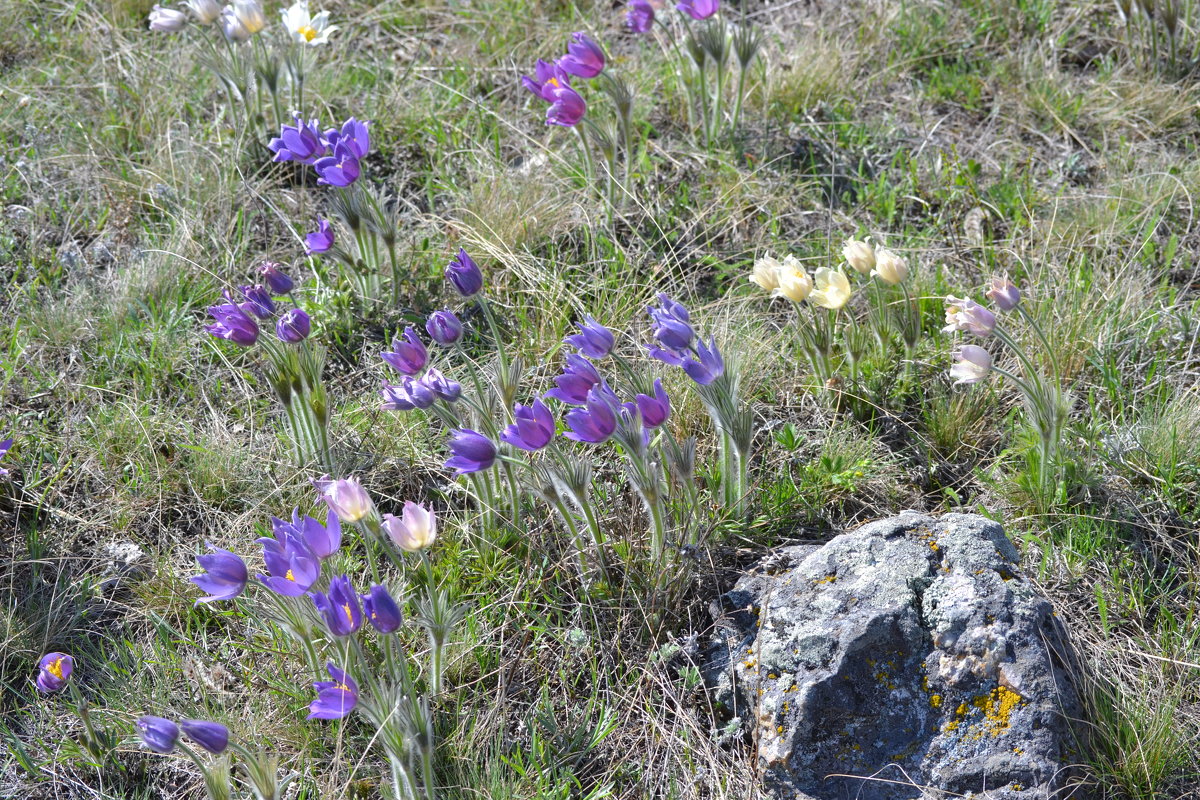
pixel 408 354
pixel 597 420
pixel 672 324
pixel 7 443
pixel 340 607
pixel 584 57
pixel 654 410
pixel 444 328
pixel 698 9
pixel 381 609
pixel 972 364
pixel 300 142
pixel 157 733
pixel 464 274
pixel 353 135
pixel 293 327
pixel 212 736
pixel 964 314
pixel 340 169
pixel 276 279
pixel 640 16
pixel 548 77
pixel 335 698
pixel 567 109
pixel 322 540
pixel 593 340
pixel 534 427
pixel 224 577
pixel 576 380
pixel 345 496
pixel 258 299
pixel 233 323
pixel 54 670
pixel 292 568
pixel 411 393
pixel 470 451
pixel 442 386
pixel 1004 293
pixel 320 240
pixel 707 365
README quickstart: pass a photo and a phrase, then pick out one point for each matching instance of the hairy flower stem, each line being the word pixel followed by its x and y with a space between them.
pixel 589 168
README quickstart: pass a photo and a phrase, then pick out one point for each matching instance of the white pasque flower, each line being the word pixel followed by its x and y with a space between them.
pixel 832 289
pixel 206 11
pixel 415 529
pixel 303 27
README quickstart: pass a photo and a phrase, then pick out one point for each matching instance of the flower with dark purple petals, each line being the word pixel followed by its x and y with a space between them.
pixel 292 568
pixel 597 420
pixel 576 380
pixel 707 365
pixel 411 393
pixel 442 386
pixel 340 169
pixel 444 328
pixel 640 16
pixel 464 273
pixel 698 9
pixel 320 240
pixel 212 736
pixel 224 577
pixel 300 142
pixel 654 410
pixel 293 326
pixel 322 540
pixel 672 326
pixel 54 670
pixel 353 136
pixel 335 698
pixel 567 109
pixel 470 452
pixel 233 323
pixel 548 77
pixel 534 427
pixel 584 57
pixel 408 354
pixel 276 279
pixel 340 607
pixel 258 299
pixel 159 734
pixel 7 443
pixel 594 340
pixel 381 610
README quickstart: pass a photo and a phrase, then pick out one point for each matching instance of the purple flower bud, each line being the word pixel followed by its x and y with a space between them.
pixel 534 427
pixel 212 736
pixel 698 9
pixel 320 240
pixel 444 328
pixel 276 279
pixel 594 340
pixel 584 57
pixel 224 577
pixel 672 327
pixel 300 142
pixel 470 452
pixel 576 380
pixel 159 734
pixel 597 420
pixel 654 410
pixel 1004 293
pixel 410 394
pixel 340 169
pixel 293 326
pixel 442 386
pixel 259 300
pixel 567 109
pixel 408 355
pixel 640 16
pixel 336 698
pixel 54 670
pixel 233 323
pixel 381 610
pixel 464 274
pixel 339 608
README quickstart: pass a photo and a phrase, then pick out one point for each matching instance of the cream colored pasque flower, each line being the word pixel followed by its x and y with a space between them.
pixel 766 273
pixel 793 282
pixel 889 267
pixel 832 289
pixel 859 255
pixel 303 27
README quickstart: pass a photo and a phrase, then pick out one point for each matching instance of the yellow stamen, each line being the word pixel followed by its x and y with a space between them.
pixel 349 616
pixel 308 32
pixel 289 576
pixel 553 82
pixel 341 686
pixel 55 668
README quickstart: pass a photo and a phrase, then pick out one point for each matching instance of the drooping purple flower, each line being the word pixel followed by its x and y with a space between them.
pixel 336 698
pixel 464 273
pixel 320 240
pixel 594 340
pixel 354 136
pixel 233 323
pixel 340 169
pixel 444 328
pixel 442 386
pixel 345 496
pixel 534 427
pixel 340 607
pixel 964 314
pixel 1004 293
pixel 640 16
pixel 294 326
pixel 157 733
pixel 321 540
pixel 567 109
pixel 470 452
pixel 971 364
pixel 224 577
pixel 258 300
pixel 654 410
pixel 276 279
pixel 548 77
pixel 7 443
pixel 411 393
pixel 292 568
pixel 699 9
pixel 597 420
pixel 212 736
pixel 54 670
pixel 300 142
pixel 584 57
pixel 576 380
pixel 408 354
pixel 381 610
pixel 707 365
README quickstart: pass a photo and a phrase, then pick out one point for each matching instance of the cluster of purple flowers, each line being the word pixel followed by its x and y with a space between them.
pixel 552 80
pixel 334 153
pixel 678 345
pixel 639 15
pixel 238 321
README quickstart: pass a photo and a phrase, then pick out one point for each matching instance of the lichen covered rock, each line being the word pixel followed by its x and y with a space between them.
pixel 905 656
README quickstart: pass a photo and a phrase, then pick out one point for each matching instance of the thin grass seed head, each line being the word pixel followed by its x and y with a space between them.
pixel 747 39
